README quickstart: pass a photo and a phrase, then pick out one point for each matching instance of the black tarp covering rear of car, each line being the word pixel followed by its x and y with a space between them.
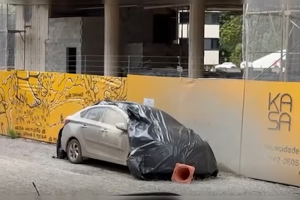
pixel 158 142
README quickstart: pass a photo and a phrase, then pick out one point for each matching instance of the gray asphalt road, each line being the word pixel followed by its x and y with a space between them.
pixel 24 161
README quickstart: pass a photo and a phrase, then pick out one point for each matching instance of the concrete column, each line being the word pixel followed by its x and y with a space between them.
pixel 196 39
pixel 111 38
pixel 30 48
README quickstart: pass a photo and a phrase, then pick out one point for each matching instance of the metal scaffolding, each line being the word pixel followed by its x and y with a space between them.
pixel 7 41
pixel 272 42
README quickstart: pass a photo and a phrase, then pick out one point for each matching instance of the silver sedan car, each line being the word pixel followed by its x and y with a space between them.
pixel 97 132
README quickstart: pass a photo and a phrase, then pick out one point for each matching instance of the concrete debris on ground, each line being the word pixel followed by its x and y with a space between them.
pixel 24 161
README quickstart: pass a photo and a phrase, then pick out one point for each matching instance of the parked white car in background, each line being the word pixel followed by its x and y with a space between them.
pixel 226 65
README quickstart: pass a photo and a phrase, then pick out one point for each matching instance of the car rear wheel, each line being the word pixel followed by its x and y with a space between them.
pixel 74 152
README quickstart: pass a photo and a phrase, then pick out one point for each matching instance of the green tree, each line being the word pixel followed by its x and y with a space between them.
pixel 231 33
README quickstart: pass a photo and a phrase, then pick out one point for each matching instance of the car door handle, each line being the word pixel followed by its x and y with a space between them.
pixel 104 130
pixel 83 126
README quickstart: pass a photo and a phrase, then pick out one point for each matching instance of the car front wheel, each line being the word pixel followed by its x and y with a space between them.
pixel 74 152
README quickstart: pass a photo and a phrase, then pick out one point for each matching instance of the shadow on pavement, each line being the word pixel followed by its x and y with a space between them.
pixel 107 166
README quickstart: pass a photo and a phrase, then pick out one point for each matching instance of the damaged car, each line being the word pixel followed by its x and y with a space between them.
pixel 147 140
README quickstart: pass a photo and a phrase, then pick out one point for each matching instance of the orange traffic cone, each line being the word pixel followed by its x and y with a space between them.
pixel 183 173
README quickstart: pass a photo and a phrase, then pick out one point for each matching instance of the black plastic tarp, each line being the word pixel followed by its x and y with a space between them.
pixel 158 142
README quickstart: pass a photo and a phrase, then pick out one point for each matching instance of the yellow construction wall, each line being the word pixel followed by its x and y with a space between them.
pixel 211 107
pixel 253 127
pixel 271 132
pixel 36 104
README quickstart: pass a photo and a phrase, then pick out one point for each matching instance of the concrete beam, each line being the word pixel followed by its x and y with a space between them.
pixel 122 2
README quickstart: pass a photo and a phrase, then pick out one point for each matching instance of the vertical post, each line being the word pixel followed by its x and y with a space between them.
pixel 111 38
pixel 181 26
pixel 179 61
pixel 84 64
pixel 196 39
pixel 282 43
pixel 246 46
pixel 6 39
pixel 128 70
pixel 287 70
pixel 24 61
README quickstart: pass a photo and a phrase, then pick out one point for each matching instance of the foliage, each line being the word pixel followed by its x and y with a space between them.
pixel 231 33
pixel 12 133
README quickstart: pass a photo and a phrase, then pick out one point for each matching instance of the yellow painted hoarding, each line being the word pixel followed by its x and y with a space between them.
pixel 211 107
pixel 271 132
pixel 252 126
pixel 36 104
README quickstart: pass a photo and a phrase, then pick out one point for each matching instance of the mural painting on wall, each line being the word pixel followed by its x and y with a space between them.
pixel 36 104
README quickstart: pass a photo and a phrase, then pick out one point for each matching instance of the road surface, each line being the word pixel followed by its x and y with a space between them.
pixel 24 161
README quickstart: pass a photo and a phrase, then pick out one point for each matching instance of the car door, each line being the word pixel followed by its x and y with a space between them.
pixel 111 138
pixel 90 129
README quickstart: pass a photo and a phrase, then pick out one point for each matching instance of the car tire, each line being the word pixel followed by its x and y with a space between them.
pixel 74 152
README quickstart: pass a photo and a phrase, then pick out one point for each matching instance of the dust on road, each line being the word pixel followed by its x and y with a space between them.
pixel 24 161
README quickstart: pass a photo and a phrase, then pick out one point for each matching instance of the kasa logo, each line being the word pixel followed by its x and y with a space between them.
pixel 280 107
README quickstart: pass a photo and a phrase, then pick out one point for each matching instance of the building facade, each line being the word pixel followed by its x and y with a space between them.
pixel 211 34
pixel 74 39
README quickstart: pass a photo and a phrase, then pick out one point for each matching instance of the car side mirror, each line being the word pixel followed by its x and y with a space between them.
pixel 121 126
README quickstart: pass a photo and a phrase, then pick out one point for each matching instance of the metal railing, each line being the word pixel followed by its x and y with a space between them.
pixel 168 66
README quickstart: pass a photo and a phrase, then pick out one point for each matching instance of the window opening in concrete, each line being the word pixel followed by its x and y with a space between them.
pixel 27 13
pixel 71 60
pixel 211 44
pixel 184 17
pixel 212 18
pixel 164 28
